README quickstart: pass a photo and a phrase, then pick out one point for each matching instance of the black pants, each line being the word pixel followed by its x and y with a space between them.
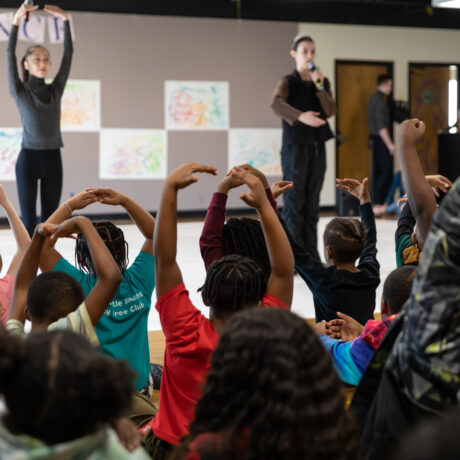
pixel 382 171
pixel 305 165
pixel 32 166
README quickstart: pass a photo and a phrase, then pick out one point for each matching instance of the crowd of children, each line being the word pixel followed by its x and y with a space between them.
pixel 249 380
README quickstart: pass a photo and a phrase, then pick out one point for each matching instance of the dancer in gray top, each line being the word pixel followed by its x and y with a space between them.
pixel 39 106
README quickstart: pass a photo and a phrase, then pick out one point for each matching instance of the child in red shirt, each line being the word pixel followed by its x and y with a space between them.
pixel 232 284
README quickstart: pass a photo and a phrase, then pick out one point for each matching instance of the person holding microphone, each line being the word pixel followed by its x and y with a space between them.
pixel 304 101
pixel 39 106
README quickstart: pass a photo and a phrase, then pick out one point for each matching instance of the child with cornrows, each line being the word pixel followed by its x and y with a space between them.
pixel 233 283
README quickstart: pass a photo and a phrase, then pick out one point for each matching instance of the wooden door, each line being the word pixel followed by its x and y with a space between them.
pixel 356 83
pixel 429 101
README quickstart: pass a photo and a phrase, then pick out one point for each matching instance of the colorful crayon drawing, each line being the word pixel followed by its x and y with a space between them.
pixel 258 147
pixel 191 105
pixel 132 154
pixel 81 106
pixel 10 145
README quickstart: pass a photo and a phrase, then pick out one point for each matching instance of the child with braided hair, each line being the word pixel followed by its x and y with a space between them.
pixel 241 236
pixel 122 330
pixel 341 285
pixel 61 395
pixel 233 283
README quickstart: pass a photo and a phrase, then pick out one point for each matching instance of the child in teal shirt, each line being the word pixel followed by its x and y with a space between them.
pixel 122 330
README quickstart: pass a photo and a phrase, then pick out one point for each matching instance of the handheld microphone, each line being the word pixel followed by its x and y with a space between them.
pixel 312 67
pixel 28 2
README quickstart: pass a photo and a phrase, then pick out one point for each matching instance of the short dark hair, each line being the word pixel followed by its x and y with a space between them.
pixel 300 38
pixel 383 78
pixel 346 237
pixel 53 295
pixel 397 287
pixel 113 238
pixel 272 379
pixel 245 237
pixel 233 283
pixel 57 387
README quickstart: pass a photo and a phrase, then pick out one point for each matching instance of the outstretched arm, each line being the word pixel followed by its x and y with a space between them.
pixel 144 221
pixel 360 190
pixel 167 271
pixel 419 192
pixel 50 256
pixel 14 81
pixel 19 231
pixel 108 275
pixel 280 283
pixel 26 273
pixel 61 77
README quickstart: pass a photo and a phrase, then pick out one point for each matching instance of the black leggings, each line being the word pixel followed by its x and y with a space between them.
pixel 32 166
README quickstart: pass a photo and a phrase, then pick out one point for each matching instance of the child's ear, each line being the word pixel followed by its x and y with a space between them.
pixel 330 252
pixel 293 53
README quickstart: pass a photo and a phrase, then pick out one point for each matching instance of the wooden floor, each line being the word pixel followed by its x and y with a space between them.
pixel 193 272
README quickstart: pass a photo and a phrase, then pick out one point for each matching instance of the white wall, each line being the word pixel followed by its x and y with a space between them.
pixel 398 44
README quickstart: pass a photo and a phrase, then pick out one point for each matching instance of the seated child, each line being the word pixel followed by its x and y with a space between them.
pixel 241 236
pixel 22 241
pixel 408 250
pixel 271 393
pixel 233 283
pixel 341 285
pixel 54 300
pixel 61 395
pixel 356 347
pixel 420 377
pixel 123 329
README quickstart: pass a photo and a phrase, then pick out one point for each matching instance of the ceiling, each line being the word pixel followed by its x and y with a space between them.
pixel 409 13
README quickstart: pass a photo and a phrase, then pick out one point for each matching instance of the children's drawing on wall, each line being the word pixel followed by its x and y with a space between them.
pixel 132 154
pixel 191 105
pixel 258 147
pixel 10 145
pixel 81 106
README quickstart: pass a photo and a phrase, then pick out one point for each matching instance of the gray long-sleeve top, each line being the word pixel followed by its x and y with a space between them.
pixel 39 104
pixel 378 114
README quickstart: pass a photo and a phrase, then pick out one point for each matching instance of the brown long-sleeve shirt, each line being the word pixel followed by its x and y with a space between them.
pixel 290 113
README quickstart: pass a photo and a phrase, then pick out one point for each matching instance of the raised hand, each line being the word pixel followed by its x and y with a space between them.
pixel 68 228
pixel 255 172
pixel 311 118
pixel 228 182
pixel 56 11
pixel 256 197
pixel 46 229
pixel 183 176
pixel 438 182
pixel 356 188
pixel 278 188
pixel 410 132
pixel 81 200
pixel 107 196
pixel 22 11
pixel 345 328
